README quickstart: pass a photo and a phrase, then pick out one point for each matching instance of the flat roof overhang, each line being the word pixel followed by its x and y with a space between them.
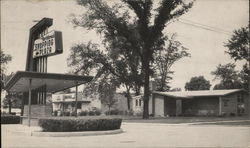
pixel 172 96
pixel 82 101
pixel 54 82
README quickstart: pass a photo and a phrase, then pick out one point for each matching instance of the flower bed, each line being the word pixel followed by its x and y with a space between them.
pixel 10 119
pixel 79 124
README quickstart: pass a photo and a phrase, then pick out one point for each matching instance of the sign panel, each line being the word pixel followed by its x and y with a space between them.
pixel 48 45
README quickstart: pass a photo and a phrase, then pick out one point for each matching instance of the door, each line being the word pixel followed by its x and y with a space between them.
pixel 169 106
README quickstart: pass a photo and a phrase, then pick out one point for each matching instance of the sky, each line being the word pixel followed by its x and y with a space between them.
pixel 205 46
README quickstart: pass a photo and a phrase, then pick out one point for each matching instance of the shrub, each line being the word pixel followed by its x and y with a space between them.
pixel 223 114
pixel 97 112
pixel 83 113
pixel 121 112
pixel 78 124
pixel 114 112
pixel 232 114
pixel 91 113
pixel 138 114
pixel 72 113
pixel 10 119
pixel 67 113
pixel 55 113
pixel 106 112
pixel 130 113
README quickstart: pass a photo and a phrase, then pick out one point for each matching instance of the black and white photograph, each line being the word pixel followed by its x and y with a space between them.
pixel 125 74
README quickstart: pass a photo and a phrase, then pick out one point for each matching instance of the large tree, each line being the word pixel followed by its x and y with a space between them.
pixel 5 59
pixel 164 60
pixel 238 44
pixel 12 100
pixel 238 49
pixel 86 58
pixel 141 27
pixel 228 76
pixel 198 83
pixel 107 89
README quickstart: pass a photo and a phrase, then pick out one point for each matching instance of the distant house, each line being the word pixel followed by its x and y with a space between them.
pixel 66 102
pixel 206 102
pixel 136 103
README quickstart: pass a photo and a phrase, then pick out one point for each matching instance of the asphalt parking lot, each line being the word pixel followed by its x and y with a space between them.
pixel 139 135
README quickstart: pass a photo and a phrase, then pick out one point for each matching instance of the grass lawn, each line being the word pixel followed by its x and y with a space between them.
pixel 177 120
pixel 239 123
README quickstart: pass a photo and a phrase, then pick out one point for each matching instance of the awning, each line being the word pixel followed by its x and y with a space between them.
pixel 54 82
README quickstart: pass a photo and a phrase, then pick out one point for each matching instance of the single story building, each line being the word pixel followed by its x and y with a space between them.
pixel 204 102
pixel 66 102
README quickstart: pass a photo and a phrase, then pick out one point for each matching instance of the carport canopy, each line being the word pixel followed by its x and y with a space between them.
pixel 54 82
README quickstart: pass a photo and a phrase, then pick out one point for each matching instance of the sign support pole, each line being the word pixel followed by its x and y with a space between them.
pixel 29 108
pixel 76 99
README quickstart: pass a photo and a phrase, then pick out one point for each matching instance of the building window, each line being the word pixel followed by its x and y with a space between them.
pixel 139 102
pixel 136 102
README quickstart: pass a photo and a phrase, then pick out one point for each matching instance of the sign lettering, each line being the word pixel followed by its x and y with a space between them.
pixel 48 45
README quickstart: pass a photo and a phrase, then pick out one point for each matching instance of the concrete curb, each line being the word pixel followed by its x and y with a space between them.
pixel 178 124
pixel 74 134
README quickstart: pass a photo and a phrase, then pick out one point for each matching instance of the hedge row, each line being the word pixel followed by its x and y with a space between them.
pixel 10 119
pixel 78 124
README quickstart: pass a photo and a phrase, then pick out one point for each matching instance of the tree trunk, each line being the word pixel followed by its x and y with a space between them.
pixel 22 105
pixel 109 110
pixel 137 90
pixel 9 102
pixel 146 86
pixel 128 99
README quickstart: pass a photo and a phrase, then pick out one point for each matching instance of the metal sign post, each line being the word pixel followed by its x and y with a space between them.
pixel 42 44
pixel 76 99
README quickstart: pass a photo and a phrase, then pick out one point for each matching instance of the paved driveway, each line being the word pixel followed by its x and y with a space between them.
pixel 140 135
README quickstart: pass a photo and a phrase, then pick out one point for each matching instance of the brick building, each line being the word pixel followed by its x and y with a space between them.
pixel 206 102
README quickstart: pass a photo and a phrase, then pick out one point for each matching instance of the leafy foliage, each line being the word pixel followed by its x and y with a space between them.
pixel 5 59
pixel 11 99
pixel 10 119
pixel 228 75
pixel 164 60
pixel 14 99
pixel 198 83
pixel 138 34
pixel 78 124
pixel 244 76
pixel 107 90
pixel 238 49
pixel 238 45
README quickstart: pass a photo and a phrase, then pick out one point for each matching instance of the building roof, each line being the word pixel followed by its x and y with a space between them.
pixel 54 82
pixel 199 93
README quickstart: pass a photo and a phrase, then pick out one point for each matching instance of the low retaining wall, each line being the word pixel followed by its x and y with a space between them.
pixel 38 110
pixel 74 134
pixel 33 121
